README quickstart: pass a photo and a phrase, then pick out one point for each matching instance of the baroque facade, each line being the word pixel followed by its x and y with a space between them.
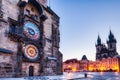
pixel 71 65
pixel 106 64
pixel 84 63
pixel 76 65
pixel 29 39
pixel 109 64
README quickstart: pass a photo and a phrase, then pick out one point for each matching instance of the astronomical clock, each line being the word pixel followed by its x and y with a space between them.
pixel 32 31
pixel 31 52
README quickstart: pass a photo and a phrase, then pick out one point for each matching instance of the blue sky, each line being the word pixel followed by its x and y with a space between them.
pixel 80 23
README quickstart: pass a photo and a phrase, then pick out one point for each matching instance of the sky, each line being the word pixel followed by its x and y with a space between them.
pixel 80 23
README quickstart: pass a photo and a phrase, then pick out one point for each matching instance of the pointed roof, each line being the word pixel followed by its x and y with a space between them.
pixel 84 57
pixel 99 40
pixel 111 37
pixel 71 60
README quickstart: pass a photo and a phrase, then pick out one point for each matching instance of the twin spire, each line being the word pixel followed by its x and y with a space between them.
pixel 111 38
pixel 99 40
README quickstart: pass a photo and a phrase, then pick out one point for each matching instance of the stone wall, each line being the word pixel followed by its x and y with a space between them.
pixel 6 65
pixel 6 42
pixel 48 34
pixel 51 68
pixel 5 58
pixel 26 65
pixel 10 6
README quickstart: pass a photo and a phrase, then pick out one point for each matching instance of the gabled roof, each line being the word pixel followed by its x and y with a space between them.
pixel 71 60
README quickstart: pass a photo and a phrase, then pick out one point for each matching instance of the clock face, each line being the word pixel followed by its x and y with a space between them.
pixel 31 30
pixel 31 52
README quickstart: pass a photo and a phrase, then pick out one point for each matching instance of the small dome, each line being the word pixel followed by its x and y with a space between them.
pixel 84 57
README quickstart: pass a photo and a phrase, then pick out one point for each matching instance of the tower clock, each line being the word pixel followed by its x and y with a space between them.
pixel 31 30
pixel 31 52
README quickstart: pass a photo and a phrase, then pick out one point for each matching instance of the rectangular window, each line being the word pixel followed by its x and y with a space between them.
pixel 12 28
pixel 12 24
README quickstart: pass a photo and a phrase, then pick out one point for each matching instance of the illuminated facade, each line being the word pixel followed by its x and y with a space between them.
pixel 110 64
pixel 30 36
pixel 71 65
pixel 84 63
pixel 106 65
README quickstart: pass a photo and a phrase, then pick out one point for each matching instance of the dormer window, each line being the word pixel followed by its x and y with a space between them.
pixel 27 12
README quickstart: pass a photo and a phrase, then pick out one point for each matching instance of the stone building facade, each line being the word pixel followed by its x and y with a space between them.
pixel 103 51
pixel 84 63
pixel 71 65
pixel 29 39
pixel 107 65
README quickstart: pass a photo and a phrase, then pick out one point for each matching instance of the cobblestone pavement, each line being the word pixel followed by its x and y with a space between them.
pixel 74 76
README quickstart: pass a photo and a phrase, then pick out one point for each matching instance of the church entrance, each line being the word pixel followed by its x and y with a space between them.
pixel 31 71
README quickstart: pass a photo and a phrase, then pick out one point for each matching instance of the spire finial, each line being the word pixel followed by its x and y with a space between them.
pixel 49 3
pixel 110 30
pixel 99 40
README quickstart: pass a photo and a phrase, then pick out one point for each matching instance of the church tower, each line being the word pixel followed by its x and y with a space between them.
pixel 103 51
pixel 98 48
pixel 112 45
pixel 29 39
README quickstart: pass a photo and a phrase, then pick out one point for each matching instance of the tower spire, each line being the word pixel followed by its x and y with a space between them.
pixel 111 37
pixel 49 4
pixel 99 40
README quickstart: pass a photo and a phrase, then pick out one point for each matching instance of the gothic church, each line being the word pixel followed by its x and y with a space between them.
pixel 103 51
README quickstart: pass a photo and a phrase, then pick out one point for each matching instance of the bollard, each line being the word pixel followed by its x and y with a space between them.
pixel 85 75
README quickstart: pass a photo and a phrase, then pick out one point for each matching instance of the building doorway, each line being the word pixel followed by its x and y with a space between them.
pixel 31 71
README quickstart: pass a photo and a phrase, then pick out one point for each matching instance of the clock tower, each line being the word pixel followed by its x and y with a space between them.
pixel 30 36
